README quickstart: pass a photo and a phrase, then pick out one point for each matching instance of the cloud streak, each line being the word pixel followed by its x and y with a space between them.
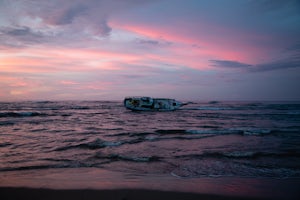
pixel 229 64
pixel 291 59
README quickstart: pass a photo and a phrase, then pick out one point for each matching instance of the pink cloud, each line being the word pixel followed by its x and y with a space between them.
pixel 199 43
pixel 65 82
pixel 63 59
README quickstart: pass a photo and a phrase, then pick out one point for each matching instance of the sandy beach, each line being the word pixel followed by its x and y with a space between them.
pixel 89 183
pixel 120 194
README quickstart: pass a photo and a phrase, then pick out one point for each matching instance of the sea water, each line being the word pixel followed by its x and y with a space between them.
pixel 200 140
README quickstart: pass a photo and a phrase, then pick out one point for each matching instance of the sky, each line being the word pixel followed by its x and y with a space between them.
pixel 183 49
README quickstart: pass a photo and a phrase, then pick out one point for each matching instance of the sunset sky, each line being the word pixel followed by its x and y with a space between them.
pixel 183 49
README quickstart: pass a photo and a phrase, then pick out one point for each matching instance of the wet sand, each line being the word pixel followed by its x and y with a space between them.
pixel 119 194
pixel 93 183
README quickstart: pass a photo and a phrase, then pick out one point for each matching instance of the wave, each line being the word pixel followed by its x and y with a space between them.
pixel 214 132
pixel 30 167
pixel 117 157
pixel 80 108
pixel 238 163
pixel 207 108
pixel 170 131
pixel 84 163
pixel 239 131
pixel 96 144
pixel 5 144
pixel 200 131
pixel 206 131
pixel 72 164
pixel 241 155
pixel 246 131
pixel 217 170
pixel 21 114
pixel 6 123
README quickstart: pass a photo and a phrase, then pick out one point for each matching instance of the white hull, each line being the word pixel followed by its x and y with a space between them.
pixel 151 104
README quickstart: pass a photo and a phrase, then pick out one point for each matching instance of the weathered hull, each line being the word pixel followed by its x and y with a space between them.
pixel 151 104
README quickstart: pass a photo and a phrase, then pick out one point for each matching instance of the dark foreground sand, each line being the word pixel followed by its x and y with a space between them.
pixel 10 193
pixel 94 183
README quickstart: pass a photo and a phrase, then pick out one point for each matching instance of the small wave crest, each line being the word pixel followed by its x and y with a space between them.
pixel 96 144
pixel 220 155
pixel 257 131
pixel 6 123
pixel 5 144
pixel 241 155
pixel 28 168
pixel 207 108
pixel 209 130
pixel 238 131
pixel 238 163
pixel 117 157
pixel 71 164
pixel 21 114
pixel 206 131
pixel 214 132
pixel 217 169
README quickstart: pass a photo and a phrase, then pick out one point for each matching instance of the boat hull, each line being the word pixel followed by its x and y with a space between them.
pixel 151 104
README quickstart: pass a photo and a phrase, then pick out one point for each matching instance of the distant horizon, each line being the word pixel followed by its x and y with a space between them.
pixel 102 49
pixel 121 100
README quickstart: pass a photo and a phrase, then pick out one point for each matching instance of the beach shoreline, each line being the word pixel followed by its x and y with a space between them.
pixel 13 193
pixel 94 183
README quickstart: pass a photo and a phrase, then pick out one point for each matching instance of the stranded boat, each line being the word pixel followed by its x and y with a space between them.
pixel 151 104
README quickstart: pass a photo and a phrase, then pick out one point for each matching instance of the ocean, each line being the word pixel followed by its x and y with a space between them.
pixel 201 141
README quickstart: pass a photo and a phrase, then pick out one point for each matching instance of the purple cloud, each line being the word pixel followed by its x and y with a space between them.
pixel 67 15
pixel 20 36
pixel 290 60
pixel 229 64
